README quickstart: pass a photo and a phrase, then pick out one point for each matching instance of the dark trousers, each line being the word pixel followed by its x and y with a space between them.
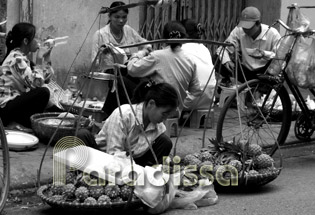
pixel 111 101
pixel 21 108
pixel 162 147
pixel 226 74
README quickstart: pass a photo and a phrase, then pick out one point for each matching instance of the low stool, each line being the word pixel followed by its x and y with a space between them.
pixel 196 118
pixel 226 92
pixel 171 125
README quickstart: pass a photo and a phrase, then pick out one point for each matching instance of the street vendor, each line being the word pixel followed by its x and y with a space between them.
pixel 171 64
pixel 118 33
pixel 21 81
pixel 254 42
pixel 203 59
pixel 152 104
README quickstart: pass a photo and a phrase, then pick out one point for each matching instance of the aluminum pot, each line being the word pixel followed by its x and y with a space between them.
pixel 99 86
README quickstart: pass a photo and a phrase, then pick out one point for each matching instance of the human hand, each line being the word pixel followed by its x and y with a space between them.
pixel 230 66
pixel 148 47
pixel 142 53
pixel 46 55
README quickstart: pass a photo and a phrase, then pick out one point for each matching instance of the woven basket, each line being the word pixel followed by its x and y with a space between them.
pixel 42 192
pixel 250 181
pixel 45 131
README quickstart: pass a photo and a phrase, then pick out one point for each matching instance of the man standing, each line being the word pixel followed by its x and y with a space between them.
pixel 254 42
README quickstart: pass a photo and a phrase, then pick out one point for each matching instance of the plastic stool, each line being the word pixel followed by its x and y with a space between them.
pixel 197 115
pixel 226 92
pixel 169 124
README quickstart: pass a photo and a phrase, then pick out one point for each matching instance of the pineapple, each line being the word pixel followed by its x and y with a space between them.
pixel 252 173
pixel 96 191
pixel 103 199
pixel 57 189
pixel 71 177
pixel 237 164
pixel 90 200
pixel 125 192
pixel 263 161
pixel 82 193
pixel 206 156
pixel 254 150
pixel 191 160
pixel 69 191
pixel 57 198
pixel 113 191
pixel 117 200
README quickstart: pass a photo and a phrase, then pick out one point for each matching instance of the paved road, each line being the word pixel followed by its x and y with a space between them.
pixel 291 193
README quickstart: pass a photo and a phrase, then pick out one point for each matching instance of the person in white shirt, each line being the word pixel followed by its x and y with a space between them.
pixel 204 66
pixel 255 44
pixel 133 128
pixel 172 64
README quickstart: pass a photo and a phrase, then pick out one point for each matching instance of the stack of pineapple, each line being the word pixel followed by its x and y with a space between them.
pixel 248 159
pixel 77 191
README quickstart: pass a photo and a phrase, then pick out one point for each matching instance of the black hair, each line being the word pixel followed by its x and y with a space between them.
pixel 163 94
pixel 174 30
pixel 19 32
pixel 117 4
pixel 194 30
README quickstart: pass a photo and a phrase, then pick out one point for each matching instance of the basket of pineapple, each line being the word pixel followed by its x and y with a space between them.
pixel 238 165
pixel 77 194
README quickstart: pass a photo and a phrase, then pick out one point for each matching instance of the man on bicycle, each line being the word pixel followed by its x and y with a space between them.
pixel 255 44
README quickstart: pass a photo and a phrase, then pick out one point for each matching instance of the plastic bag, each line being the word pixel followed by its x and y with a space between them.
pixel 301 67
pixel 297 20
pixel 203 195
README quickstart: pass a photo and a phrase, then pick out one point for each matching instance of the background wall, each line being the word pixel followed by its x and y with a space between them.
pixel 309 12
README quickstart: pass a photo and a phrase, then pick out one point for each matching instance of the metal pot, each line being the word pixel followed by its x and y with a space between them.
pixel 99 86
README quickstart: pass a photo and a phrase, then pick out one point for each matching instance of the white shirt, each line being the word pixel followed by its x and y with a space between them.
pixel 204 68
pixel 177 68
pixel 267 41
pixel 104 36
pixel 118 130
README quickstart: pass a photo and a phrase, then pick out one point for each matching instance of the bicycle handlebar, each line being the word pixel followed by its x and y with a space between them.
pixel 293 31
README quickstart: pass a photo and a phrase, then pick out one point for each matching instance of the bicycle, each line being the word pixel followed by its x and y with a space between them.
pixel 4 156
pixel 266 117
pixel 4 167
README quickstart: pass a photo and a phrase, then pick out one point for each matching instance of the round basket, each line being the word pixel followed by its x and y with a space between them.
pixel 42 192
pixel 45 131
pixel 250 181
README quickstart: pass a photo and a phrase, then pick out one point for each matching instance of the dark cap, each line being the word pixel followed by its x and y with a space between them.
pixel 248 17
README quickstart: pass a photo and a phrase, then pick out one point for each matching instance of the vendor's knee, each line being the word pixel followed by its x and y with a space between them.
pixel 87 137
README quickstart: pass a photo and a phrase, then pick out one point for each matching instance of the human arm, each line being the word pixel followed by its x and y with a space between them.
pixel 194 91
pixel 138 39
pixel 141 64
pixel 114 133
pixel 226 54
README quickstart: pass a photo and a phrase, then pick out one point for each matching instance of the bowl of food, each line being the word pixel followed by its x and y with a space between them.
pixel 53 125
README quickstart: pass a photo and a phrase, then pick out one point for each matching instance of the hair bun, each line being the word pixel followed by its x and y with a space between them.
pixel 175 34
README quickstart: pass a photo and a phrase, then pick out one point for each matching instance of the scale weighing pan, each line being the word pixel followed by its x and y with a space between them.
pixel 21 141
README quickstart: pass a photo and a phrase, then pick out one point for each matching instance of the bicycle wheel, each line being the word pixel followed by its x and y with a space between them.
pixel 4 168
pixel 256 120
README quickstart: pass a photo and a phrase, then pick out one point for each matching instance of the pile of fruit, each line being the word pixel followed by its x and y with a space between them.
pixel 76 190
pixel 241 160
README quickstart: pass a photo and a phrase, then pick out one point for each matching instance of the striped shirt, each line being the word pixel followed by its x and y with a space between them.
pixel 118 130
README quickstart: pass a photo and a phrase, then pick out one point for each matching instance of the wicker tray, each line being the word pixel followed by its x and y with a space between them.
pixel 44 131
pixel 42 192
pixel 251 181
